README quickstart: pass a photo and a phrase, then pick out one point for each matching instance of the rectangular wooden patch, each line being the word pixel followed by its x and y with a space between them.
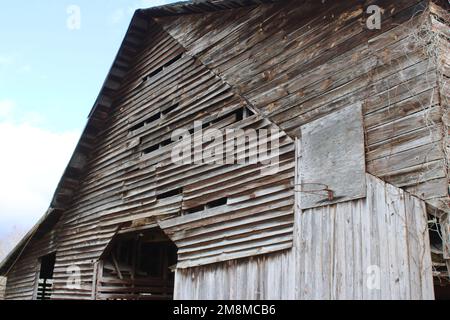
pixel 332 158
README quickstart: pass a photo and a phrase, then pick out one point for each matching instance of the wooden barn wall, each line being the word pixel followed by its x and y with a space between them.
pixel 336 250
pixel 297 61
pixel 22 277
pixel 440 21
pixel 285 61
pixel 130 171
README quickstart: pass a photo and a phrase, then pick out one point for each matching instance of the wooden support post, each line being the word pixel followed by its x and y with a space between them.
pixel 116 265
pixel 94 281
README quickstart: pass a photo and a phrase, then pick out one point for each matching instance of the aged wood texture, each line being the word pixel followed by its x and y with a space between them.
pixel 269 65
pixel 287 61
pixel 332 157
pixel 130 178
pixel 445 229
pixel 338 252
pixel 22 279
pixel 440 27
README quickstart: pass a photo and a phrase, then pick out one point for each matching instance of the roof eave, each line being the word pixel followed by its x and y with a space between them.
pixel 103 103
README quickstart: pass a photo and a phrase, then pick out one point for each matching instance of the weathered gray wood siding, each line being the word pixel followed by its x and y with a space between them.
pixel 337 252
pixel 21 283
pixel 332 159
pixel 298 61
pixel 290 65
pixel 440 18
pixel 123 180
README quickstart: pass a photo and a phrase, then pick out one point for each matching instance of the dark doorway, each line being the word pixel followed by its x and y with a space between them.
pixel 45 278
pixel 441 292
pixel 138 266
pixel 441 265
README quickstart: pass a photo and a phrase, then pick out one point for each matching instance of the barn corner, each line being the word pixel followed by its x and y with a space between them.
pixel 354 204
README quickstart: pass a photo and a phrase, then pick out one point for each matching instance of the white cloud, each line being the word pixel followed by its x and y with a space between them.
pixel 14 62
pixel 6 60
pixel 9 240
pixel 31 163
pixel 6 108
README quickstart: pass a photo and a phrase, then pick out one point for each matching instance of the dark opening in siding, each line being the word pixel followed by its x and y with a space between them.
pixel 169 194
pixel 45 277
pixel 141 124
pixel 194 210
pixel 216 203
pixel 151 149
pixel 169 109
pixel 161 68
pixel 137 126
pixel 165 142
pixel 209 205
pixel 204 126
pixel 157 146
pixel 241 113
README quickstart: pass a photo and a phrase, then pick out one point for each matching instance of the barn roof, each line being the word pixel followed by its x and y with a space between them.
pixel 100 111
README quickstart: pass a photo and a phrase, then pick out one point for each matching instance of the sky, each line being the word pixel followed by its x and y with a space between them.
pixel 54 57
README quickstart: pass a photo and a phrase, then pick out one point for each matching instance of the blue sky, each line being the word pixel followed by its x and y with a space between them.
pixel 50 75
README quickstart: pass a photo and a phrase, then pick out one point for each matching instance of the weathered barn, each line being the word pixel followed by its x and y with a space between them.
pixel 358 208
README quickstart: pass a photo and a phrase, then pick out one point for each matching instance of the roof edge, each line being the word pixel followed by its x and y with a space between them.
pixel 78 159
pixel 98 113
